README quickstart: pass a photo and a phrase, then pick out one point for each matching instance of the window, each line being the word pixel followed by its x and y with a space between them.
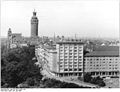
pixel 61 62
pixel 75 56
pixel 65 56
pixel 80 62
pixel 80 65
pixel 70 53
pixel 61 47
pixel 65 69
pixel 75 65
pixel 65 62
pixel 66 66
pixel 75 59
pixel 80 50
pixel 80 59
pixel 70 69
pixel 60 65
pixel 75 62
pixel 70 62
pixel 80 69
pixel 66 53
pixel 75 47
pixel 61 59
pixel 75 69
pixel 75 50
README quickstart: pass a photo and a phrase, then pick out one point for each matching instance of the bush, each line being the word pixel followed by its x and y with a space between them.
pixel 95 80
pixel 87 77
pixel 52 83
pixel 30 81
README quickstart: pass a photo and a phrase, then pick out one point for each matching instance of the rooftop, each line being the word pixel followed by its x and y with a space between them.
pixel 104 51
pixel 106 48
pixel 69 42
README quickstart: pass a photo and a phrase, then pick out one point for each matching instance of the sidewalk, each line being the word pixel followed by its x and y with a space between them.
pixel 80 83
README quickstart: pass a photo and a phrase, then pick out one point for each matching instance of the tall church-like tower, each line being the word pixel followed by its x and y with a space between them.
pixel 34 25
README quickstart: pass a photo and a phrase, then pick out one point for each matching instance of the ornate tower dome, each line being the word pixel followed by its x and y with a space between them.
pixel 34 25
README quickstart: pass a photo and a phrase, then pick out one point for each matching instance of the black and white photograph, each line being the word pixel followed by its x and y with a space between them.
pixel 60 44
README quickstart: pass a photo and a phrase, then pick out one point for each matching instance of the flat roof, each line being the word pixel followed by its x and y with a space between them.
pixel 105 51
pixel 69 42
pixel 102 54
pixel 106 48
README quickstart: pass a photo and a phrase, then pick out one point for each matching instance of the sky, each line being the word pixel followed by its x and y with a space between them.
pixel 93 18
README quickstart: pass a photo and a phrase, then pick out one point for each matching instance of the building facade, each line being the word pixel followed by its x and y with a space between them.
pixel 104 62
pixel 66 59
pixel 70 58
pixel 47 58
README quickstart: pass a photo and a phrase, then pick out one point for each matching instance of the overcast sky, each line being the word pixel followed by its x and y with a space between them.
pixel 93 18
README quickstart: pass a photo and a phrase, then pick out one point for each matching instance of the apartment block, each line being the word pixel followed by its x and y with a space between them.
pixel 104 61
pixel 70 58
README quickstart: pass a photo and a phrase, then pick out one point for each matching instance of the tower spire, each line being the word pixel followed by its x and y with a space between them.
pixel 34 13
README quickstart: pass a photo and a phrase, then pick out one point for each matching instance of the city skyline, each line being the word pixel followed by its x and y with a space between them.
pixel 83 18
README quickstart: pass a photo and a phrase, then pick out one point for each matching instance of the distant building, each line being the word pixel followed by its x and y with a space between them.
pixel 104 61
pixel 66 59
pixel 34 25
pixel 17 40
pixel 14 39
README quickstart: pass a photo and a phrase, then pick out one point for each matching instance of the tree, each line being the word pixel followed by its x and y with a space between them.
pixel 30 81
pixel 18 65
pixel 99 81
pixel 87 77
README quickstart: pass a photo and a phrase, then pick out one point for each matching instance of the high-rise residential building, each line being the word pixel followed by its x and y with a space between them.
pixel 70 58
pixel 34 25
